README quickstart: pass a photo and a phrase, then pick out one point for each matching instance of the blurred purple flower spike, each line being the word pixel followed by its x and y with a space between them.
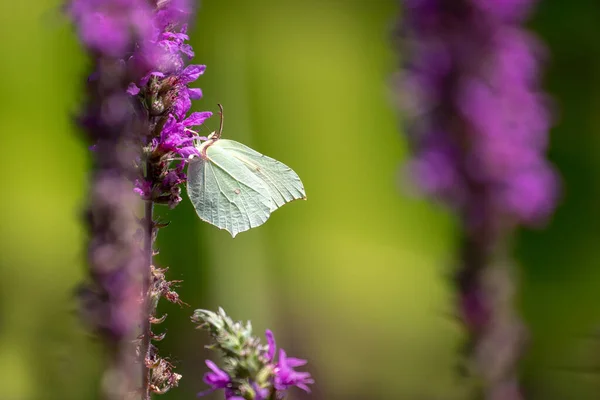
pixel 478 125
pixel 472 77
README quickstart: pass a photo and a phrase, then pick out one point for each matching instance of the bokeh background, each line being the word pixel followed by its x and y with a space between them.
pixel 354 279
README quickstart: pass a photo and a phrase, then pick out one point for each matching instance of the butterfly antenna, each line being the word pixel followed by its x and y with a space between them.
pixel 203 126
pixel 220 122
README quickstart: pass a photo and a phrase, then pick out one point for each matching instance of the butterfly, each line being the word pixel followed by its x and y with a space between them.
pixel 236 188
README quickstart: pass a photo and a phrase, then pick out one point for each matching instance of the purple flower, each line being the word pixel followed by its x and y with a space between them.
pixel 183 103
pixel 177 137
pixel 217 378
pixel 143 188
pixel 285 375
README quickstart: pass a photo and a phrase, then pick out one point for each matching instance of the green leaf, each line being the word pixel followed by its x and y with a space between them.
pixel 235 188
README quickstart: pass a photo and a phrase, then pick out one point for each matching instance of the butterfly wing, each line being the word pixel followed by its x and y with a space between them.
pixel 226 194
pixel 283 183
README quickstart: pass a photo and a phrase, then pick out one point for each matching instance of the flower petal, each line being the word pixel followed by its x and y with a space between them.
pixel 195 93
pixel 132 89
pixel 191 73
pixel 272 345
pixel 197 118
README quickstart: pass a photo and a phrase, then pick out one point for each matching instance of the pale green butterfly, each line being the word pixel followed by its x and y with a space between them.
pixel 236 188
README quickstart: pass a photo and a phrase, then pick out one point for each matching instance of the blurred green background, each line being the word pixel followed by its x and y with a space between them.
pixel 354 279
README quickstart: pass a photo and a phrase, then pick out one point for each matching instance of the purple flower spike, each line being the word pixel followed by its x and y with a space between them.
pixel 251 372
pixel 479 123
pixel 136 117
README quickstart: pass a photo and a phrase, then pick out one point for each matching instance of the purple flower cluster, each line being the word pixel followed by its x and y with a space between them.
pixel 480 119
pixel 150 43
pixel 281 377
pixel 164 90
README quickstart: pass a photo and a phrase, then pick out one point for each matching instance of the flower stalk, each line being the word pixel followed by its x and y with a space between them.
pixel 147 312
pixel 479 126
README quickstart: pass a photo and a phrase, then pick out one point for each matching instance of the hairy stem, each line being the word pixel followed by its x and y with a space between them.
pixel 147 301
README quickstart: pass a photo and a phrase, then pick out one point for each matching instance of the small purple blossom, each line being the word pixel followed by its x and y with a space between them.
pixel 217 378
pixel 285 375
pixel 143 188
pixel 177 137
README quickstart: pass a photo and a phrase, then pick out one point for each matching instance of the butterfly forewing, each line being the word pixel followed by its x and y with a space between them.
pixel 283 183
pixel 226 194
